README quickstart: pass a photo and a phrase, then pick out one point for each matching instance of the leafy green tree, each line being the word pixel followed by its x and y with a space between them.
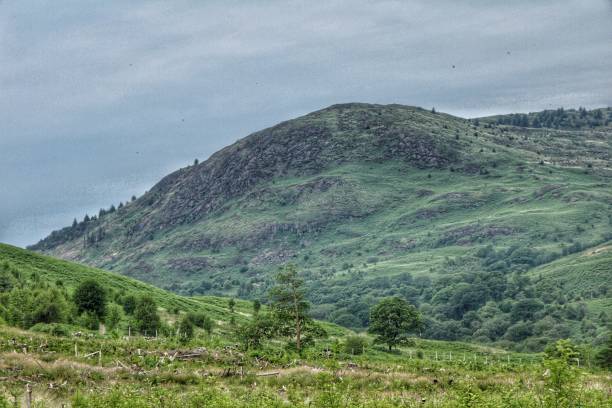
pixel 519 331
pixel 90 297
pixel 392 319
pixel 231 303
pixel 493 328
pixel 525 309
pixel 202 321
pixel 145 315
pixel 289 305
pixel 347 320
pixel 49 307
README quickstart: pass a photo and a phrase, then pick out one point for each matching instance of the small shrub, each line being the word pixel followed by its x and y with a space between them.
pixel 355 345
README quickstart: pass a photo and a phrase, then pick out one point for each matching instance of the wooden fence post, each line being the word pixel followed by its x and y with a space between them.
pixel 28 395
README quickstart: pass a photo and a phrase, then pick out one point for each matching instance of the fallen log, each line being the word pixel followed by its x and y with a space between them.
pixel 186 356
pixel 267 374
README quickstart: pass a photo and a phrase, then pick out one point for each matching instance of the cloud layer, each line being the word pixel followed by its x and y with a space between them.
pixel 100 99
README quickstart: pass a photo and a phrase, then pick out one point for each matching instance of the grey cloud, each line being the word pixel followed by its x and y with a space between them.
pixel 100 99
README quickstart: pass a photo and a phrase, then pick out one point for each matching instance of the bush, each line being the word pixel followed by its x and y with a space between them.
pixel 185 329
pixel 145 315
pixel 49 307
pixel 201 320
pixel 113 316
pixel 253 333
pixel 129 304
pixel 89 320
pixel 561 377
pixel 355 345
pixel 90 297
pixel 348 320
pixel 54 329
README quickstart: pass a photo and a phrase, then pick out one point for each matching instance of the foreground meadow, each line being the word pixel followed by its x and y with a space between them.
pixel 93 371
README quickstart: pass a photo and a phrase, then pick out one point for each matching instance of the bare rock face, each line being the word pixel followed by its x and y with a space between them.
pixel 472 233
pixel 189 264
pixel 304 146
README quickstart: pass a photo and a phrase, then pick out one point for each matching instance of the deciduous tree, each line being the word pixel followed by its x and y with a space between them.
pixel 392 319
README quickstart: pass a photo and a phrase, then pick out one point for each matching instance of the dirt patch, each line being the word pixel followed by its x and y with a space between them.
pixel 599 250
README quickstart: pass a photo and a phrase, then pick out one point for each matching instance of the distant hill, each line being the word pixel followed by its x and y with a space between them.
pixel 377 200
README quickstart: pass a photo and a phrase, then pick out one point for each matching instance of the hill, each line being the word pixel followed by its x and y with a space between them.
pixel 376 200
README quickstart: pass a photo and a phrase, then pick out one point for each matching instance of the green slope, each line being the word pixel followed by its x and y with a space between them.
pixel 585 275
pixel 71 274
pixel 587 272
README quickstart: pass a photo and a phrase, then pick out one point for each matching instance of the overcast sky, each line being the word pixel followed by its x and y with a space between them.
pixel 98 100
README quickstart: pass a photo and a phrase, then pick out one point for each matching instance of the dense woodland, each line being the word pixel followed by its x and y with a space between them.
pixel 558 119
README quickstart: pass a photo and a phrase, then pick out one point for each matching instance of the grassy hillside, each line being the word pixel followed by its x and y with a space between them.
pixel 70 274
pixel 52 271
pixel 586 272
pixel 371 201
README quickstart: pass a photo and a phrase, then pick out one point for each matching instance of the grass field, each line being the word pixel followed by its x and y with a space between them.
pixel 212 372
